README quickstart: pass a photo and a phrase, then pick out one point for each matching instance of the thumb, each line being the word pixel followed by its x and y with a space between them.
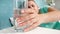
pixel 27 11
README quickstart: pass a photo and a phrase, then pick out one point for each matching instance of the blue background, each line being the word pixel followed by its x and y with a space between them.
pixel 6 11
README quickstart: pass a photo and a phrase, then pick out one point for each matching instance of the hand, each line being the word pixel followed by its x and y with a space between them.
pixel 29 16
pixel 31 19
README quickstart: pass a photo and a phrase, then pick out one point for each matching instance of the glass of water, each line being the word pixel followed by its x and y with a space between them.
pixel 18 6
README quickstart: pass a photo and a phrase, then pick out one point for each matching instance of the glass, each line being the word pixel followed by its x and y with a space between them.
pixel 18 6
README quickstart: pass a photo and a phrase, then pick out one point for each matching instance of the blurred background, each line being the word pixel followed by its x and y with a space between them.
pixel 6 11
pixel 57 5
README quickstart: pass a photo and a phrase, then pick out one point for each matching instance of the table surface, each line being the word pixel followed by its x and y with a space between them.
pixel 34 31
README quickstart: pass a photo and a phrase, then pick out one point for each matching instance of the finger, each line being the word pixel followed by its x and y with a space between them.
pixel 34 25
pixel 26 18
pixel 25 23
pixel 31 27
pixel 30 21
pixel 28 11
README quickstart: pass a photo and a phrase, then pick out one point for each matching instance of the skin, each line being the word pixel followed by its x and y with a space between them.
pixel 30 16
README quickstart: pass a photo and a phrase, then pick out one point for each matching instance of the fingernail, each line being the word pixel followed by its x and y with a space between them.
pixel 25 30
pixel 20 24
pixel 22 11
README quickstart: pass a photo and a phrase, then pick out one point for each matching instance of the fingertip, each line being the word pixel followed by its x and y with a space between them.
pixel 22 11
pixel 26 30
pixel 20 24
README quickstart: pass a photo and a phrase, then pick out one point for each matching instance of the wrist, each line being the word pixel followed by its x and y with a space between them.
pixel 43 18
